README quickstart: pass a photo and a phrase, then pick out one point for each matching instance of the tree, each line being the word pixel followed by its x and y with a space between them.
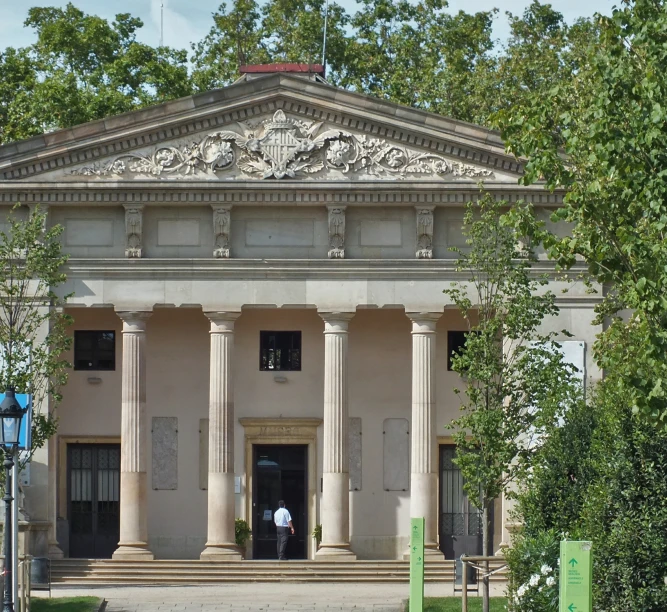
pixel 602 136
pixel 419 55
pixel 283 31
pixel 33 325
pixel 516 383
pixel 80 69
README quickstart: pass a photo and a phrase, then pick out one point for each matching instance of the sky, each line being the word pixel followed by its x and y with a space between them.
pixel 186 21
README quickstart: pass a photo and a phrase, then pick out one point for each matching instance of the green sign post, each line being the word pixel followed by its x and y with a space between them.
pixel 417 565
pixel 576 577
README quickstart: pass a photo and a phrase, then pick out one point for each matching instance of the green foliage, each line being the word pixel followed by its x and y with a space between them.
pixel 416 53
pixel 65 604
pixel 33 334
pixel 550 500
pixel 317 534
pixel 82 68
pixel 241 532
pixel 534 573
pixel 600 476
pixel 453 604
pixel 516 382
pixel 609 118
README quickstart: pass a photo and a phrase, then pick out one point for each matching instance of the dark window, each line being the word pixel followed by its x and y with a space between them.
pixel 280 350
pixel 94 350
pixel 456 341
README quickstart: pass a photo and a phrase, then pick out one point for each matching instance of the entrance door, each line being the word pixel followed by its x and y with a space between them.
pixel 279 473
pixel 93 484
pixel 460 521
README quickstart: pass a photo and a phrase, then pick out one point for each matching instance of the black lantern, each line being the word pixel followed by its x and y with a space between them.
pixel 11 414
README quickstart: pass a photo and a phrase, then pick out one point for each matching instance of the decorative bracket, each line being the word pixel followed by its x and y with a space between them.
pixel 336 232
pixel 424 232
pixel 221 230
pixel 134 230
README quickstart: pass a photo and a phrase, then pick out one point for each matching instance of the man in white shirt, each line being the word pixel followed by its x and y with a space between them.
pixel 284 526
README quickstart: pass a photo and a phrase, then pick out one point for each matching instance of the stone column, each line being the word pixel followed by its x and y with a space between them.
pixel 220 544
pixel 423 475
pixel 133 440
pixel 335 509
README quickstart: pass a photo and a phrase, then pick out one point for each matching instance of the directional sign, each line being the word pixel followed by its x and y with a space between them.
pixel 417 565
pixel 576 576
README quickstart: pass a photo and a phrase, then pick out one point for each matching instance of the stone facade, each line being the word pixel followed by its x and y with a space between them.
pixel 278 203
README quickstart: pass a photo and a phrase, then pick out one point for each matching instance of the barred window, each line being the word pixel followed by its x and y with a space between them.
pixel 94 350
pixel 280 350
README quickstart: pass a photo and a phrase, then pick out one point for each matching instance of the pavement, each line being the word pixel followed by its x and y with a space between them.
pixel 255 597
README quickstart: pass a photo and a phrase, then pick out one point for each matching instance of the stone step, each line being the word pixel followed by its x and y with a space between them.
pixel 167 571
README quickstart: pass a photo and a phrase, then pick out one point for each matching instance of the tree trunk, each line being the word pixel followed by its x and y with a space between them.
pixel 485 552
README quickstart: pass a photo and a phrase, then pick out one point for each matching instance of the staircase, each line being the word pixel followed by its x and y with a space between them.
pixel 108 571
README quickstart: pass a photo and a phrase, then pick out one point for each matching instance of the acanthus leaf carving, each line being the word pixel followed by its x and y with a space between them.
pixel 424 232
pixel 221 230
pixel 280 148
pixel 134 231
pixel 336 232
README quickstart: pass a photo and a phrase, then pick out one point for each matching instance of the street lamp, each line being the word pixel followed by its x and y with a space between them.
pixel 11 415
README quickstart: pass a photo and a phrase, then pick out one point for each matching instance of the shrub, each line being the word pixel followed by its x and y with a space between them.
pixel 241 532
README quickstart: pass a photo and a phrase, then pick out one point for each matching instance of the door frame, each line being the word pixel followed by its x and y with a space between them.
pixel 62 501
pixel 288 431
pixel 493 514
pixel 63 441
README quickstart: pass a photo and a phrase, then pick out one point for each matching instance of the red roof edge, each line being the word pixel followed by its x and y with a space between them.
pixel 270 68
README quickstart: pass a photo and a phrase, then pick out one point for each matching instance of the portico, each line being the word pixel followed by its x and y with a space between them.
pixel 256 267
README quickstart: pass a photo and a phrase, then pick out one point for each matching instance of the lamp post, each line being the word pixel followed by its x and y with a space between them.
pixel 11 414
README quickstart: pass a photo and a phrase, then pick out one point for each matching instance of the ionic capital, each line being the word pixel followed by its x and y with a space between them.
pixel 424 322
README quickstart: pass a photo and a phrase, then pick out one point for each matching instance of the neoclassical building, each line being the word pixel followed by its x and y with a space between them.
pixel 257 276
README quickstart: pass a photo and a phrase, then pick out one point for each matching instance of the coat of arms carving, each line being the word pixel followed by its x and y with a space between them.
pixel 282 147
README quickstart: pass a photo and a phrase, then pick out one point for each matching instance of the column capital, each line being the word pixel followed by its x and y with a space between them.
pixel 335 321
pixel 222 321
pixel 423 322
pixel 134 320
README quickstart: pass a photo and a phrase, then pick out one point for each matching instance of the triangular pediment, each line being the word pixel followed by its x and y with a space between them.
pixel 273 128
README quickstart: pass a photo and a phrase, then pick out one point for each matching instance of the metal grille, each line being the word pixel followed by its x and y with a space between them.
pixel 458 517
pixel 94 499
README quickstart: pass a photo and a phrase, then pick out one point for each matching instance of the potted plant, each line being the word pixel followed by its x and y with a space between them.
pixel 241 535
pixel 317 534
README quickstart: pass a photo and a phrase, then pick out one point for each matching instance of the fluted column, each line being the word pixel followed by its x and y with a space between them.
pixel 133 439
pixel 220 543
pixel 423 475
pixel 335 510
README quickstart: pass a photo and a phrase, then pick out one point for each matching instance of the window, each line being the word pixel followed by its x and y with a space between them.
pixel 94 350
pixel 280 350
pixel 456 341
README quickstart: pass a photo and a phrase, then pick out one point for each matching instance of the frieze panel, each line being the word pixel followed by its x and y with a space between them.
pixel 282 148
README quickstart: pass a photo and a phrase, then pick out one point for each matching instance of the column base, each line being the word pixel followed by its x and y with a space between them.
pixel 432 553
pixel 133 552
pixel 333 552
pixel 55 551
pixel 221 552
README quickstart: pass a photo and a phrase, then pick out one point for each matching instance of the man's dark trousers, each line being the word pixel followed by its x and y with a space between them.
pixel 283 534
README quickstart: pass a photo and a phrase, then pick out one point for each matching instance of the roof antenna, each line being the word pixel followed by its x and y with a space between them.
pixel 162 24
pixel 324 42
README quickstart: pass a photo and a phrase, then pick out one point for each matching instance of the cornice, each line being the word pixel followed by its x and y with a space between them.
pixel 278 193
pixel 183 118
pixel 281 269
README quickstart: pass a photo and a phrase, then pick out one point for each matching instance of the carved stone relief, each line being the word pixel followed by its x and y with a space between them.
pixel 424 232
pixel 279 148
pixel 133 230
pixel 336 232
pixel 221 228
